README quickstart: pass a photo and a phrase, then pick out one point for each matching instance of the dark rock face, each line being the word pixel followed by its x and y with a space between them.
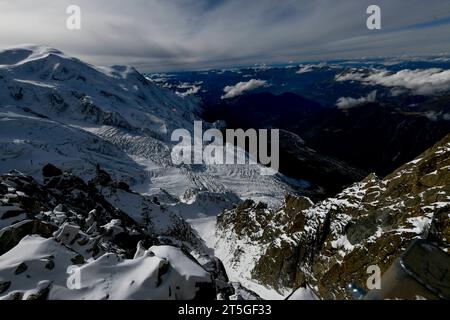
pixel 242 220
pixel 11 236
pixel 41 295
pixel 50 170
pixel 278 266
pixel 4 286
pixel 3 189
pixel 123 186
pixel 361 229
pixel 374 137
pixel 163 268
pixel 440 228
pixel 21 268
pixel 250 220
pixel 331 244
pixel 422 271
pixel 205 291
pixel 102 177
pixel 241 293
pixel 214 266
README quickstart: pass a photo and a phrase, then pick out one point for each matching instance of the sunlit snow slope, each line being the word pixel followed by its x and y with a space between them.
pixel 54 108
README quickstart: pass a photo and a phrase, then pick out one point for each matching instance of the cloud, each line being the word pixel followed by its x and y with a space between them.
pixel 160 35
pixel 421 82
pixel 242 87
pixel 192 90
pixel 345 103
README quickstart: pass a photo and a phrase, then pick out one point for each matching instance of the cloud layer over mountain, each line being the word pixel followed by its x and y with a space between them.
pixel 242 87
pixel 422 82
pixel 180 34
pixel 348 102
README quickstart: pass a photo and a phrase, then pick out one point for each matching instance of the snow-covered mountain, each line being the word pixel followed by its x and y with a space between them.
pixel 112 127
pixel 126 227
pixel 57 109
pixel 113 218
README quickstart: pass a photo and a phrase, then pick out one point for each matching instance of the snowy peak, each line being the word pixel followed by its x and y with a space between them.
pixel 76 115
pixel 66 100
pixel 19 55
pixel 35 75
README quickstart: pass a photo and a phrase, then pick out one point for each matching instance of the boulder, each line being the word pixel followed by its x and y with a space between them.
pixel 11 236
pixel 3 189
pixel 4 286
pixel 21 268
pixel 50 170
pixel 123 186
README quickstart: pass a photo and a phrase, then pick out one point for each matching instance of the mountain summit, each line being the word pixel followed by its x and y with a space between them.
pixel 58 109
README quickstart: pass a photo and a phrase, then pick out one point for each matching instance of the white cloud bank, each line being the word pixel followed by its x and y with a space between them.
pixel 189 92
pixel 345 103
pixel 242 87
pixel 422 82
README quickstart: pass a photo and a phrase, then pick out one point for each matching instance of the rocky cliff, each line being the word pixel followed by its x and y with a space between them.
pixel 330 244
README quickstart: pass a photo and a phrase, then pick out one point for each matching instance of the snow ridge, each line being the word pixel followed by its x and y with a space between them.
pixel 58 109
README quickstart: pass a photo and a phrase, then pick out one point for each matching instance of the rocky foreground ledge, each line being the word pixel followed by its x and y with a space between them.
pixel 329 245
pixel 64 238
pixel 67 239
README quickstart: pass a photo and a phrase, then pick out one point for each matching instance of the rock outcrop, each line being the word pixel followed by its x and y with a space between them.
pixel 91 228
pixel 330 244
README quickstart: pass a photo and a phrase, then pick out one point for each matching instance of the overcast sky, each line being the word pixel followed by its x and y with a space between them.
pixel 158 35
